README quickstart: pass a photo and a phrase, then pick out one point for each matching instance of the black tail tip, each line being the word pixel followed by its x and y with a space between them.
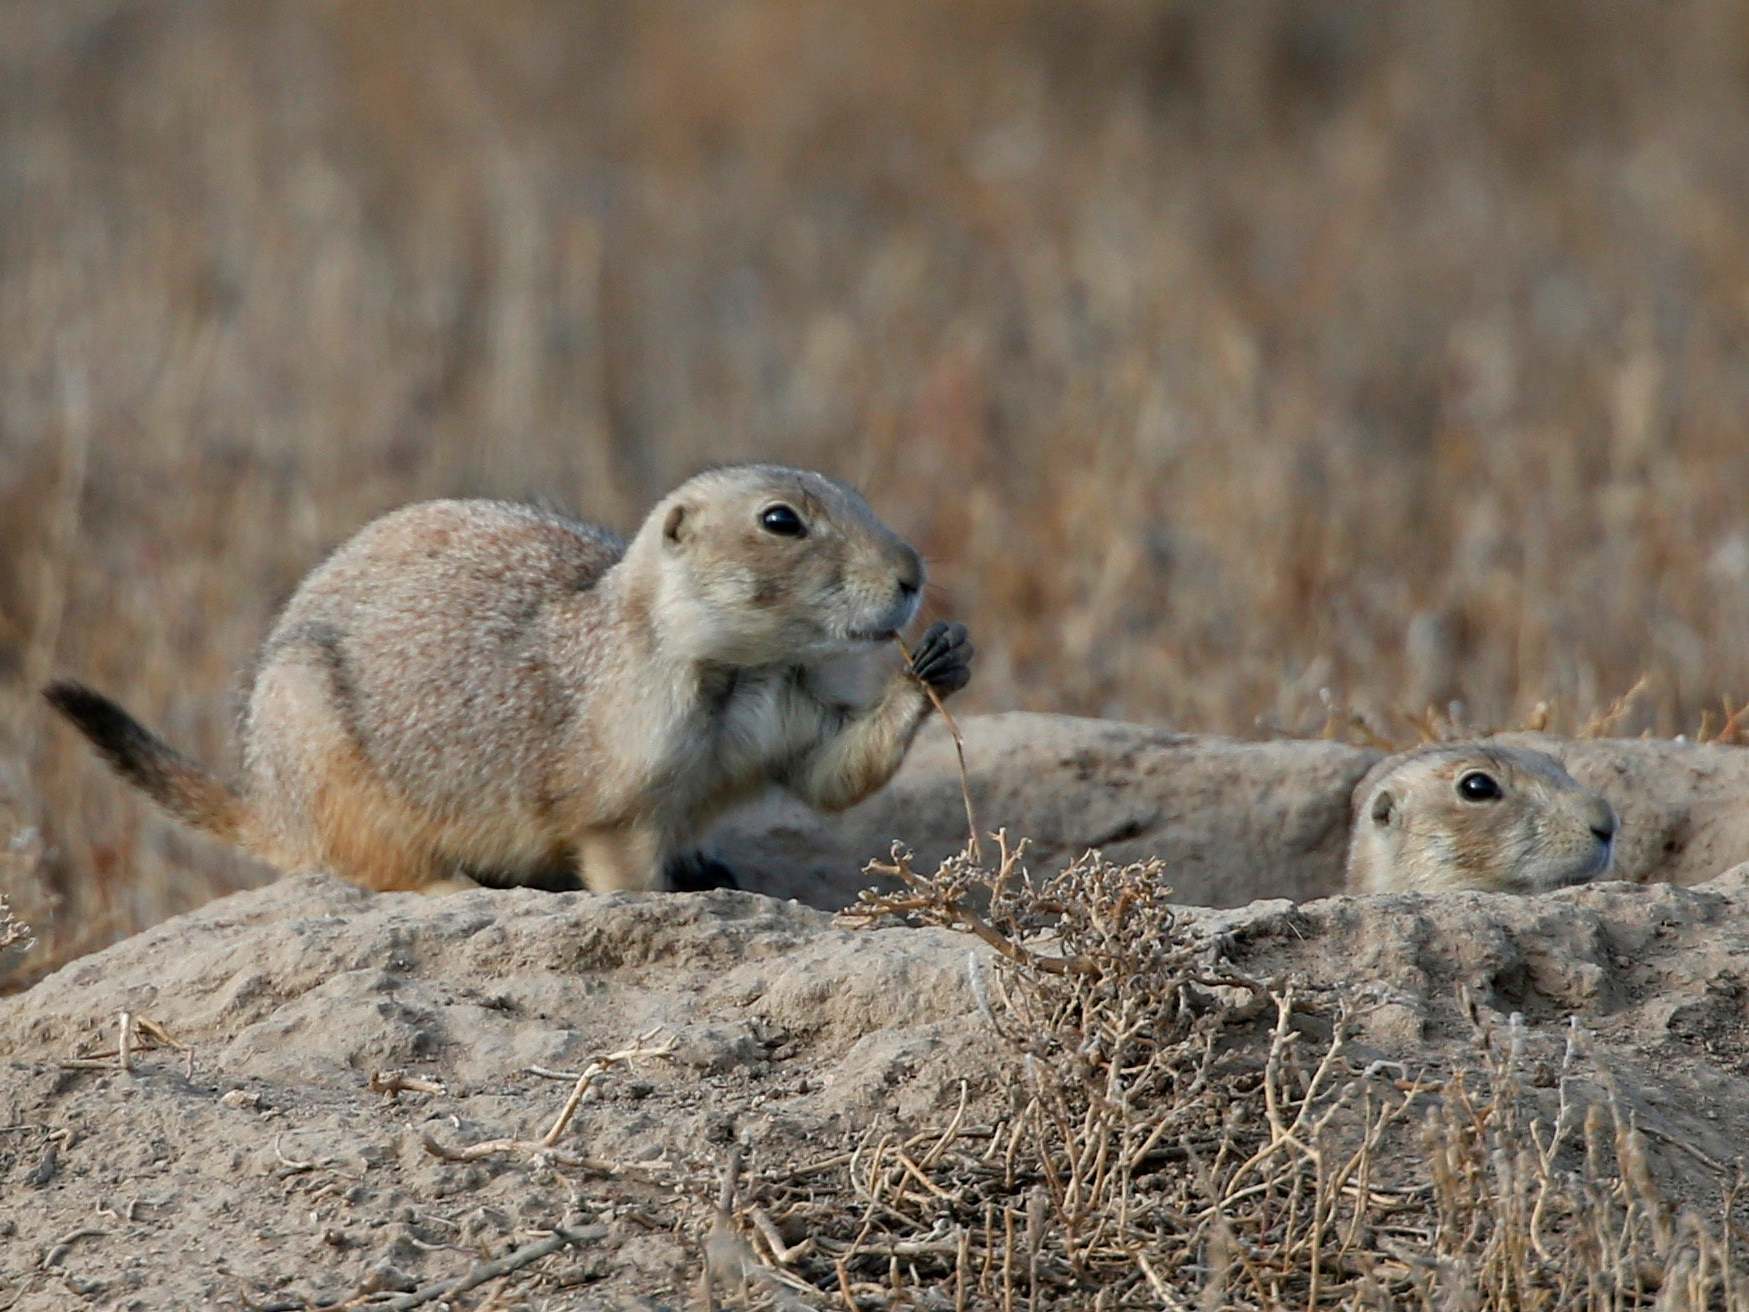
pixel 84 706
pixel 65 695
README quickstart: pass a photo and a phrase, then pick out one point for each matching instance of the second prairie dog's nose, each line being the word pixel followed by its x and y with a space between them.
pixel 1603 821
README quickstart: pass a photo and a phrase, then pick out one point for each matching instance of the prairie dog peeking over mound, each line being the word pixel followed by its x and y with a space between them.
pixel 479 691
pixel 1476 816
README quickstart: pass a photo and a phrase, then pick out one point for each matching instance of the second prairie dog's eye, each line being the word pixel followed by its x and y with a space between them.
pixel 1478 787
pixel 783 521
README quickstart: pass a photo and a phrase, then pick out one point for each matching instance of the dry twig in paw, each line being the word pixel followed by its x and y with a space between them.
pixel 959 747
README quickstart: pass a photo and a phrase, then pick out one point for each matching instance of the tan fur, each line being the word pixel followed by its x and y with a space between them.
pixel 1414 830
pixel 473 687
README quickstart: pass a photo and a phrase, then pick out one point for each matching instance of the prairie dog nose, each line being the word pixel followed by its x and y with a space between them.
pixel 1602 820
pixel 910 573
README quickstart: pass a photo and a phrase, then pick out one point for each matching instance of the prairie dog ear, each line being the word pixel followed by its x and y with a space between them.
pixel 674 526
pixel 1384 808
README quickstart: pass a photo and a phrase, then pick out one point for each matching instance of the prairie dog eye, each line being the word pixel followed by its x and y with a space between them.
pixel 783 521
pixel 1478 787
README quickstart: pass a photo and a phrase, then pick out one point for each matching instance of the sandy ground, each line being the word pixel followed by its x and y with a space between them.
pixel 259 1168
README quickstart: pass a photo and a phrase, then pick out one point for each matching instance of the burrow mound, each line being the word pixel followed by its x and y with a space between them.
pixel 1233 820
pixel 261 1167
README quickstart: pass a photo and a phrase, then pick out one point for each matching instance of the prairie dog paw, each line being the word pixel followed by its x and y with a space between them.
pixel 943 659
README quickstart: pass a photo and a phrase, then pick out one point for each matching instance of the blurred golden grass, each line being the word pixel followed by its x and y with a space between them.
pixel 1229 362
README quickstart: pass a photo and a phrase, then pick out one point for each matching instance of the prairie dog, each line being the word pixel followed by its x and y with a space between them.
pixel 476 691
pixel 1476 816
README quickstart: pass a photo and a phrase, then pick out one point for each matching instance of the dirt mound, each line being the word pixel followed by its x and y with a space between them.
pixel 776 1026
pixel 1656 977
pixel 260 1168
pixel 1233 820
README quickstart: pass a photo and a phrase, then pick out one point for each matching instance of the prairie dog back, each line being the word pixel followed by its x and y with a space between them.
pixel 416 663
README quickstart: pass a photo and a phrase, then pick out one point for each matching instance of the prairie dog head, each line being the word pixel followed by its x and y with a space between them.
pixel 1476 816
pixel 757 564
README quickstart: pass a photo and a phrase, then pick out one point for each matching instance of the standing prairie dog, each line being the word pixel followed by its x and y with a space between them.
pixel 1476 816
pixel 479 691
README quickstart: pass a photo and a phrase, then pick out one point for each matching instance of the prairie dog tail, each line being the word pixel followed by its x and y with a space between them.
pixel 186 790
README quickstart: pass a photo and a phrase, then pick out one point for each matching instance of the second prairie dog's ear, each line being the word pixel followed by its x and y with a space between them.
pixel 673 527
pixel 1384 807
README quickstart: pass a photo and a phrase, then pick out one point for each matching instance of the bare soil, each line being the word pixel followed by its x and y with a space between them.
pixel 259 1168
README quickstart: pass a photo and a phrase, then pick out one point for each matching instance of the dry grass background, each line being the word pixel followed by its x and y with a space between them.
pixel 1217 355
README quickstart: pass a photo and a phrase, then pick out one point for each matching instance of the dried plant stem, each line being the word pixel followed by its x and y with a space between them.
pixel 548 1142
pixel 393 1082
pixel 959 747
pixel 562 1237
pixel 135 1034
pixel 1606 720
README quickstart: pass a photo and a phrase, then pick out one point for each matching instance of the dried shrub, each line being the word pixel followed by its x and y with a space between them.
pixel 1181 1134
pixel 14 933
pixel 21 856
pixel 1454 722
pixel 16 938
